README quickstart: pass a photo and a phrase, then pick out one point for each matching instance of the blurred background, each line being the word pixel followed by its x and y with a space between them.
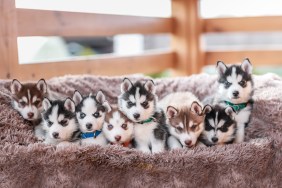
pixel 40 49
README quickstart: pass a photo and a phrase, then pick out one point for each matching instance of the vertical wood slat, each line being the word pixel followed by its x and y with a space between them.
pixel 186 36
pixel 8 38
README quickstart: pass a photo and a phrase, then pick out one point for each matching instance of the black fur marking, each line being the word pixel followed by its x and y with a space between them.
pixel 142 92
pixel 245 76
pixel 161 132
pixel 61 110
pixel 99 106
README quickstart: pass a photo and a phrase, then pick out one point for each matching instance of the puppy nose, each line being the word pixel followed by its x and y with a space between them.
pixel 55 134
pixel 117 138
pixel 136 116
pixel 188 142
pixel 235 93
pixel 30 114
pixel 88 125
pixel 214 139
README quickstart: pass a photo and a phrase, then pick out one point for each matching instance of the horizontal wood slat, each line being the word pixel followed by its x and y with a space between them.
pixel 244 24
pixel 150 62
pixel 58 23
pixel 257 58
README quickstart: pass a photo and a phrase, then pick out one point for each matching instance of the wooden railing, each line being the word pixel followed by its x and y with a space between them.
pixel 185 26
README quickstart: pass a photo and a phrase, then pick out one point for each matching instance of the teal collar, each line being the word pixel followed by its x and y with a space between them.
pixel 236 107
pixel 146 121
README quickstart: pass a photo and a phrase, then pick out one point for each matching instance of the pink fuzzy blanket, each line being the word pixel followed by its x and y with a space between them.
pixel 254 163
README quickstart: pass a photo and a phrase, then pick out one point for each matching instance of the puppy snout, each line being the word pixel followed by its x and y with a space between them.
pixel 88 125
pixel 235 93
pixel 136 115
pixel 117 138
pixel 214 139
pixel 55 135
pixel 188 143
pixel 30 114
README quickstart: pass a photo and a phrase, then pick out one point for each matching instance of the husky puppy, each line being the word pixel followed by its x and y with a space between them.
pixel 90 113
pixel 138 102
pixel 185 118
pixel 59 121
pixel 27 99
pixel 220 126
pixel 236 90
pixel 117 128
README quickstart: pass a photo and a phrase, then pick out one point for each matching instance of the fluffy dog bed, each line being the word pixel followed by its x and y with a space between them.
pixel 255 163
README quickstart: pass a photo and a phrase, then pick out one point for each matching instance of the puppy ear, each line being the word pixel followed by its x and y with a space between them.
pixel 100 97
pixel 16 86
pixel 196 108
pixel 126 85
pixel 207 109
pixel 230 112
pixel 221 67
pixel 69 105
pixel 247 66
pixel 171 112
pixel 77 97
pixel 46 104
pixel 107 106
pixel 150 86
pixel 42 86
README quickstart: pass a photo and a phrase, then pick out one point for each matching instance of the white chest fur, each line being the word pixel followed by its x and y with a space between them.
pixel 145 138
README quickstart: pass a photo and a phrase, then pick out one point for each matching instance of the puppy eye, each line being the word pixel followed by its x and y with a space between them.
pixel 82 115
pixel 242 83
pixel 179 128
pixel 22 103
pixel 110 127
pixel 144 103
pixel 129 103
pixel 64 122
pixel 208 127
pixel 49 123
pixel 193 127
pixel 124 126
pixel 223 129
pixel 96 114
pixel 36 103
pixel 227 84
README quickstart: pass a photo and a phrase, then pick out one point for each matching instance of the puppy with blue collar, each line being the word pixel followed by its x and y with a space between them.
pixel 91 111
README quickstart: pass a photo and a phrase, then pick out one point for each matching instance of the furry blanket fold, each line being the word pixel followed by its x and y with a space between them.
pixel 24 162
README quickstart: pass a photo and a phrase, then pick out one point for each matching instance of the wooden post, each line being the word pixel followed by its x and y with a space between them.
pixel 186 36
pixel 8 38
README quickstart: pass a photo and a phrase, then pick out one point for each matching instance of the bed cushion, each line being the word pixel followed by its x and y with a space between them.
pixel 25 162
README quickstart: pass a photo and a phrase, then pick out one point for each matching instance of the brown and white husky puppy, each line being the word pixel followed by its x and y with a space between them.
pixel 27 99
pixel 117 128
pixel 185 118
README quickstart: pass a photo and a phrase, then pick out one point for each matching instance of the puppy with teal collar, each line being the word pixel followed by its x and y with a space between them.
pixel 90 113
pixel 236 90
pixel 138 102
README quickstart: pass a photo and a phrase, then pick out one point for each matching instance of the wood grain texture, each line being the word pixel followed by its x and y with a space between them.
pixel 257 58
pixel 58 23
pixel 150 62
pixel 186 36
pixel 244 24
pixel 8 38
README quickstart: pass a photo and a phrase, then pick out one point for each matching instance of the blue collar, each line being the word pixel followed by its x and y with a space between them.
pixel 90 135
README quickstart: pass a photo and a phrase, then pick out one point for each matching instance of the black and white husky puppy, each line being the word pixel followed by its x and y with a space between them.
pixel 185 118
pixel 236 90
pixel 138 102
pixel 220 126
pixel 59 121
pixel 117 128
pixel 90 112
